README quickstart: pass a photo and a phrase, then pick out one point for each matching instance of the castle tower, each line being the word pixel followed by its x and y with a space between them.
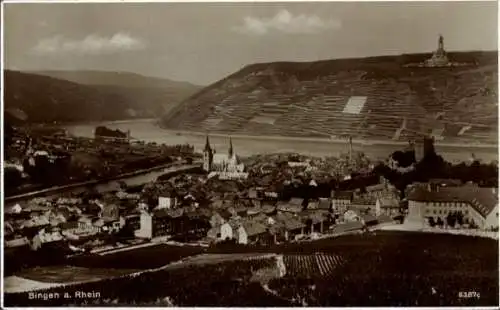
pixel 418 148
pixel 429 147
pixel 208 156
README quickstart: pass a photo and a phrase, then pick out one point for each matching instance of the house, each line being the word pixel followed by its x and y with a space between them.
pixel 48 236
pixel 294 205
pixel 110 211
pixel 384 220
pixel 253 193
pixel 293 226
pixel 254 211
pixel 15 243
pixel 69 201
pixel 36 221
pixel 325 204
pixel 445 182
pixel 15 209
pixel 133 221
pixel 153 224
pixel 313 183
pixel 69 227
pixel 317 220
pixel 221 233
pixel 194 224
pixel 387 206
pixel 312 205
pixel 86 227
pixel 8 229
pixel 347 227
pixel 478 205
pixel 351 216
pixel 271 193
pixel 167 202
pixel 216 220
pixel 268 209
pixel 341 200
pixel 368 220
pixel 251 231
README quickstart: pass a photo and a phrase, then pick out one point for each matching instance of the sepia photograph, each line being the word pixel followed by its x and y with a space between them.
pixel 250 154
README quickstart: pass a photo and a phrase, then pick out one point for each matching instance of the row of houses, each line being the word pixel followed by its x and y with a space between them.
pixel 248 220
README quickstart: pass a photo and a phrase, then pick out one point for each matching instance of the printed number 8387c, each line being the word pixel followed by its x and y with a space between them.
pixel 469 294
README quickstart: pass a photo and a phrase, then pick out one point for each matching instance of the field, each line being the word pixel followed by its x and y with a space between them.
pixel 141 258
pixel 307 265
pixel 372 98
pixel 378 269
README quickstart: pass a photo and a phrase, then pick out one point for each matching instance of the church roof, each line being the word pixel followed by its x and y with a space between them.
pixel 230 147
pixel 207 146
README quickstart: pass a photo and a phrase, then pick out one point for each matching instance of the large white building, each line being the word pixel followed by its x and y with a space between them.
pixel 478 205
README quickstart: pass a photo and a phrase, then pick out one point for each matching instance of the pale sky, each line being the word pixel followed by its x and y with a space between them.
pixel 204 42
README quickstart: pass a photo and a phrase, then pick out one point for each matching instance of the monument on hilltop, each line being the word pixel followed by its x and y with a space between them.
pixel 439 58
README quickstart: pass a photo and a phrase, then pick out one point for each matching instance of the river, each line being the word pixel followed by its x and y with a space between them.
pixel 131 179
pixel 148 131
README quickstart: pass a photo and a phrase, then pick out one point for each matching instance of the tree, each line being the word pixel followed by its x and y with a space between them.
pixel 460 218
pixel 12 177
pixel 432 223
pixel 472 224
pixel 451 219
pixel 440 222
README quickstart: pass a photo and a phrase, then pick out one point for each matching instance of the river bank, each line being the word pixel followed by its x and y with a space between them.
pixel 323 140
pixel 248 145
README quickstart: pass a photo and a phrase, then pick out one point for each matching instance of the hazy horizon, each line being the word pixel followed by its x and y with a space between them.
pixel 201 43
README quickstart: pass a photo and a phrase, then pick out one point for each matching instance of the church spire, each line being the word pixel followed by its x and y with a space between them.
pixel 207 146
pixel 230 147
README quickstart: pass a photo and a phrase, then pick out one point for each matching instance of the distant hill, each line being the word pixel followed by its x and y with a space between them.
pixel 367 98
pixel 146 95
pixel 70 96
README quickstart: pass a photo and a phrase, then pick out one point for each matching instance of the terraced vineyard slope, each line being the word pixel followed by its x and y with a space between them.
pixel 377 98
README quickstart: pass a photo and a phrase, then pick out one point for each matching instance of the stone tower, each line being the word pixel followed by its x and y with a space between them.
pixel 208 156
pixel 441 44
pixel 439 57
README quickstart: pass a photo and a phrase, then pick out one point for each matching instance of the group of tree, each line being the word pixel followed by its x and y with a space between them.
pixel 433 166
pixel 451 220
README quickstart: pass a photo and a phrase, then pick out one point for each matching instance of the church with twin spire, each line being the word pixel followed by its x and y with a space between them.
pixel 221 163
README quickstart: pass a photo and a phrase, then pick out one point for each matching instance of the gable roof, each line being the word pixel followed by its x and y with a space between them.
pixel 368 200
pixel 296 201
pixel 324 204
pixel 313 205
pixel 290 221
pixel 343 195
pixel 375 187
pixel 253 228
pixel 289 207
pixel 483 200
pixel 344 227
pixel 388 202
pixel 367 218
